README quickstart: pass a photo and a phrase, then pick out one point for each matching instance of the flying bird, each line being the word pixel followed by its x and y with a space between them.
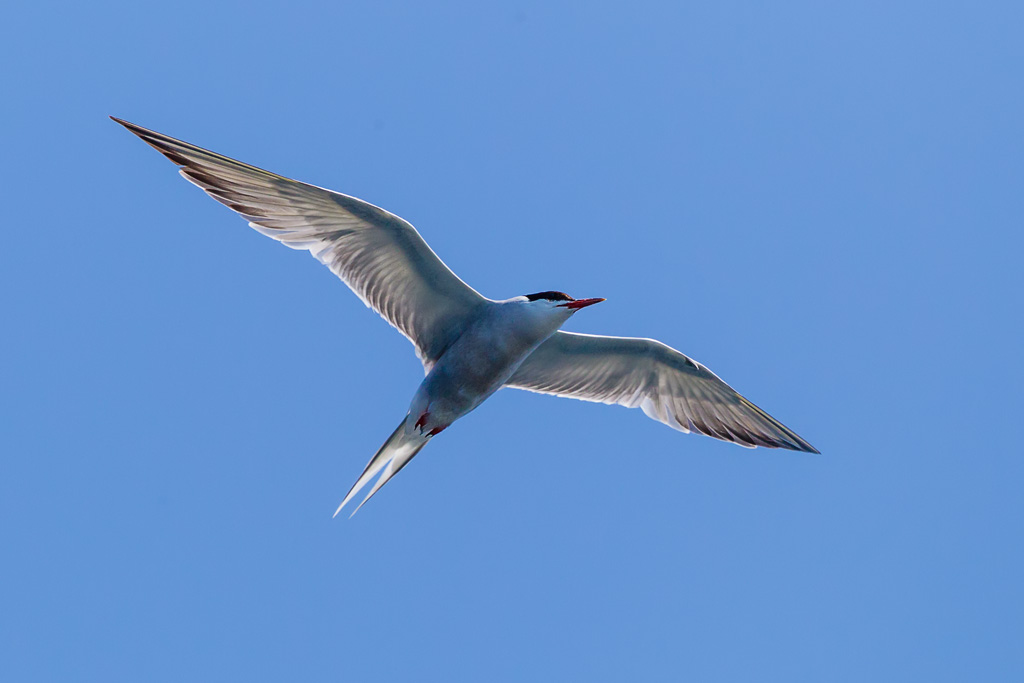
pixel 470 346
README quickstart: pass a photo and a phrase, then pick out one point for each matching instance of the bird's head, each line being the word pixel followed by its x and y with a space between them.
pixel 559 301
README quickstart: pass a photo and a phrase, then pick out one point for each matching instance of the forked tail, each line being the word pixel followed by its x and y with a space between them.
pixel 401 447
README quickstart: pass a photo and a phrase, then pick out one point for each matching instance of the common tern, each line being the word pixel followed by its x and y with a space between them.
pixel 470 346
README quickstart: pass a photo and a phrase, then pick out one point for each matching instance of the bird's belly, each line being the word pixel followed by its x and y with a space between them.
pixel 468 373
pixel 462 385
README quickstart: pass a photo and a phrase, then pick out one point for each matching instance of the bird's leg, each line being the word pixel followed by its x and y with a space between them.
pixel 421 424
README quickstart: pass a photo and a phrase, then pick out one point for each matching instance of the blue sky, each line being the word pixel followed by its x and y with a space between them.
pixel 819 201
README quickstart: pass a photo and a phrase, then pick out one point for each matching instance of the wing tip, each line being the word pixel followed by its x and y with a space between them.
pixel 792 442
pixel 796 444
pixel 127 124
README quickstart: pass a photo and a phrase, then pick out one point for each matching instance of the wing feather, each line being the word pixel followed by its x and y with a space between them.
pixel 667 385
pixel 378 255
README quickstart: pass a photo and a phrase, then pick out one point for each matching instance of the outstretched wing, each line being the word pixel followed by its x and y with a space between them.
pixel 378 255
pixel 665 384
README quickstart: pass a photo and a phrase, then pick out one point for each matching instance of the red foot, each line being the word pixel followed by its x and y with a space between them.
pixel 422 422
pixel 437 430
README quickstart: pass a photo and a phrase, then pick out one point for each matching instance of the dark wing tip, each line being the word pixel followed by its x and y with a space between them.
pixel 801 447
pixel 151 137
pixel 792 442
pixel 127 124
